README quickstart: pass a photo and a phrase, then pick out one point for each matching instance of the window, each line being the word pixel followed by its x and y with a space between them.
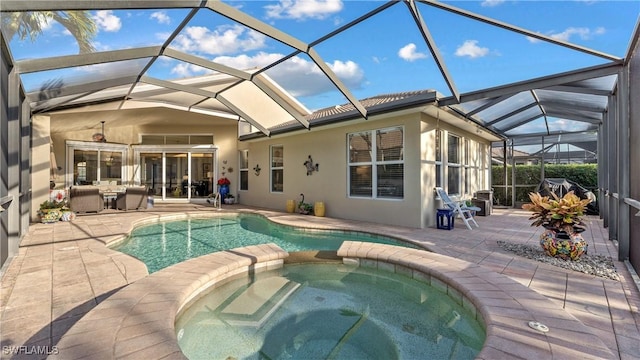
pixel 467 166
pixel 376 163
pixel 277 168
pixel 176 139
pixel 244 169
pixel 438 158
pixel 453 164
pixel 93 163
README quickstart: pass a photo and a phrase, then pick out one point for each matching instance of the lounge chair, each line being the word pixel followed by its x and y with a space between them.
pixel 134 197
pixel 84 199
pixel 459 208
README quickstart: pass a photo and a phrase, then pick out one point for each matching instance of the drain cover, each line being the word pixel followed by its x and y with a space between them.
pixel 538 326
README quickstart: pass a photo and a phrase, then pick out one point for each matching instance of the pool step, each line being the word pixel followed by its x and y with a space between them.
pixel 254 305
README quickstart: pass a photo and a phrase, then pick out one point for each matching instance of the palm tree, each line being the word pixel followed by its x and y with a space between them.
pixel 30 24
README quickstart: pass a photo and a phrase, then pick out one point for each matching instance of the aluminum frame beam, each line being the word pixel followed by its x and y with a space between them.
pixel 503 25
pixel 280 101
pixel 538 83
pixel 512 113
pixel 67 61
pixel 41 5
pixel 207 64
pixel 178 87
pixel 435 52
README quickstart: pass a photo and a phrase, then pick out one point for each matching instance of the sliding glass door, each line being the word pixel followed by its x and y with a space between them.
pixel 172 173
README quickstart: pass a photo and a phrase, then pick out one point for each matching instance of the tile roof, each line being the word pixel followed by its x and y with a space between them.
pixel 373 105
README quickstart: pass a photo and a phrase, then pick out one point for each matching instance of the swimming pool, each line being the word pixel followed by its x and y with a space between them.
pixel 163 244
pixel 327 311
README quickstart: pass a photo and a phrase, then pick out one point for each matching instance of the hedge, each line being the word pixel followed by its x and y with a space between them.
pixel 528 178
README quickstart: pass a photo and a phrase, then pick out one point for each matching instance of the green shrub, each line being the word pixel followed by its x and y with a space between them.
pixel 528 178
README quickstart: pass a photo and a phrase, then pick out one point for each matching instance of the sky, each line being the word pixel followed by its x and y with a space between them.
pixel 384 54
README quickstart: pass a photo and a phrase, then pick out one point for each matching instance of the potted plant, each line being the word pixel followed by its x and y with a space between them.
pixel 303 207
pixel 52 210
pixel 563 223
pixel 230 199
pixel 223 187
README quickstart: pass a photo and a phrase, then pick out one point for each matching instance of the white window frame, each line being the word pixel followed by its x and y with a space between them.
pixel 438 136
pixel 457 165
pixel 72 145
pixel 468 168
pixel 243 170
pixel 374 163
pixel 165 135
pixel 272 168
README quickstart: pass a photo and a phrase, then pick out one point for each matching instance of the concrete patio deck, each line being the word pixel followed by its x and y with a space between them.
pixel 63 271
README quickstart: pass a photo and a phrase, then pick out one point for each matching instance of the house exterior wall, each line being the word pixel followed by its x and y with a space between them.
pixel 326 145
pixel 46 129
pixel 41 165
pixel 328 148
pixel 479 158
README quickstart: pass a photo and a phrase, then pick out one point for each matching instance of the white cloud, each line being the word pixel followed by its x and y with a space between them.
pixel 566 35
pixel 227 39
pixel 299 76
pixel 101 46
pixel 583 33
pixel 105 20
pixel 348 71
pixel 185 70
pixel 471 49
pixel 244 62
pixel 112 70
pixel 491 3
pixel 409 53
pixel 303 78
pixel 161 17
pixel 303 9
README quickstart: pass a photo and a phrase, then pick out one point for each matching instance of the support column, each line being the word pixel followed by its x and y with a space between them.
pixel 601 171
pixel 623 163
pixel 612 169
pixel 10 165
pixel 513 177
pixel 633 88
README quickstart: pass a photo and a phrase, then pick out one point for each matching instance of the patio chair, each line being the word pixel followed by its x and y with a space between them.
pixel 460 208
pixel 134 197
pixel 85 199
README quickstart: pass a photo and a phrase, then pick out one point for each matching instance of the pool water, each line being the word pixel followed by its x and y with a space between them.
pixel 166 243
pixel 327 311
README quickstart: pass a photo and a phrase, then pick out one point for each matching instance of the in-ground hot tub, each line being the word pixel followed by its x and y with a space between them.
pixel 328 311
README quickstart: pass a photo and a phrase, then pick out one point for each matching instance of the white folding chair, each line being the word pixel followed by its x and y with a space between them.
pixel 459 208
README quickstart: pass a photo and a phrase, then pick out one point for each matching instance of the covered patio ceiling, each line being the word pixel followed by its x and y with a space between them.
pixel 301 68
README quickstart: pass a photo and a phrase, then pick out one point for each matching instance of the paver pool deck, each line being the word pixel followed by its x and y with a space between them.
pixel 64 270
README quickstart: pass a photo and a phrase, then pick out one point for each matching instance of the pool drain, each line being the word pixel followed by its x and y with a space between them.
pixel 538 326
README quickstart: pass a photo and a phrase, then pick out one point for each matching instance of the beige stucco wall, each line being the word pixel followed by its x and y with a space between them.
pixel 41 163
pixel 328 148
pixel 479 180
pixel 326 145
pixel 160 121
